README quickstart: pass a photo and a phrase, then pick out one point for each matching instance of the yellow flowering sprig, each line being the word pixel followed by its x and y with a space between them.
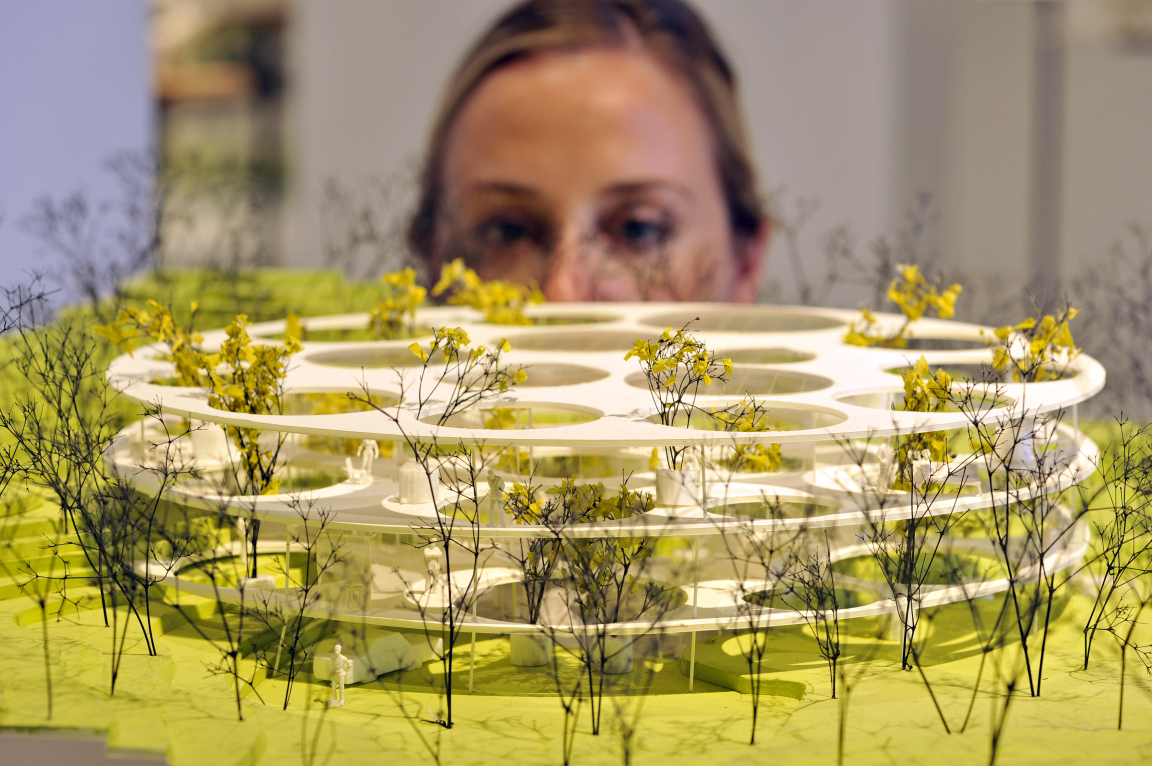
pixel 476 373
pixel 294 328
pixel 598 561
pixel 916 297
pixel 604 569
pixel 501 302
pixel 1032 349
pixel 675 366
pixel 749 416
pixel 132 326
pixel 394 315
pixel 923 392
pixel 249 378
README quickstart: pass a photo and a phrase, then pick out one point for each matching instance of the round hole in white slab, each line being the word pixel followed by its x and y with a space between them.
pixel 893 399
pixel 334 402
pixel 745 319
pixel 371 357
pixel 984 373
pixel 752 380
pixel 516 416
pixel 781 416
pixel 571 340
pixel 765 355
pixel 548 374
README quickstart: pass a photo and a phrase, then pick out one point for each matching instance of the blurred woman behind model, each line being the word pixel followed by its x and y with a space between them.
pixel 595 147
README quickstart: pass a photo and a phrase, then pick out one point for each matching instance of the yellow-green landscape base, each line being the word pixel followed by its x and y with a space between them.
pixel 173 705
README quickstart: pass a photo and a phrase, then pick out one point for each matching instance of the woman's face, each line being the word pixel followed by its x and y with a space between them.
pixel 592 173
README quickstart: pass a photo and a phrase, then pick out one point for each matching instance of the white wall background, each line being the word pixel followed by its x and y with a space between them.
pixel 75 88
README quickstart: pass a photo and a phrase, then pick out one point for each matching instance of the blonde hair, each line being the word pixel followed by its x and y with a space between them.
pixel 668 29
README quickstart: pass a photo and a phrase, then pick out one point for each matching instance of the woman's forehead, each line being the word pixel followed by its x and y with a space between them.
pixel 581 121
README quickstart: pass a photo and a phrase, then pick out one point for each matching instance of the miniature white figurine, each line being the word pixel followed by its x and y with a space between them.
pixel 341 667
pixel 432 559
pixel 367 452
pixel 885 456
pixel 691 462
pixel 495 498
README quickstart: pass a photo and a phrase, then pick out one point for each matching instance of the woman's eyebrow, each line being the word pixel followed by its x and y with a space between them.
pixel 632 188
pixel 504 187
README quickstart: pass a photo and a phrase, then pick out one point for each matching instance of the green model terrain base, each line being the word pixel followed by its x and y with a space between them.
pixel 174 704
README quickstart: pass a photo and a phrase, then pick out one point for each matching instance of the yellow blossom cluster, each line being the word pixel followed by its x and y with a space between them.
pixel 501 302
pixel 1031 349
pixel 916 296
pixel 455 346
pixel 132 326
pixel 394 315
pixel 246 378
pixel 749 416
pixel 923 392
pixel 662 360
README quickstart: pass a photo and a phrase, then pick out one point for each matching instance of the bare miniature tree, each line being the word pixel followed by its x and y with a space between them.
pixel 461 377
pixel 61 429
pixel 1125 533
pixel 39 580
pixel 208 542
pixel 102 242
pixel 814 586
pixel 605 581
pixel 362 225
pixel 761 558
pixel 288 613
pixel 1029 524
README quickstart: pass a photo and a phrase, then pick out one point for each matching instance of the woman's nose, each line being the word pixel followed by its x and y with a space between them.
pixel 570 272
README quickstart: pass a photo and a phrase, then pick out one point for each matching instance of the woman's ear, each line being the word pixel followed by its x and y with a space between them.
pixel 750 253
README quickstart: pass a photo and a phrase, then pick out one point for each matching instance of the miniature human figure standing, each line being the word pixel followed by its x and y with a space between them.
pixel 432 559
pixel 341 667
pixel 884 455
pixel 367 452
pixel 495 498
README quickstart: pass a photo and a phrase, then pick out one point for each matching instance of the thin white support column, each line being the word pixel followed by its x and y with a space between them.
pixel 695 604
pixel 287 556
pixel 242 526
pixel 472 662
pixel 703 482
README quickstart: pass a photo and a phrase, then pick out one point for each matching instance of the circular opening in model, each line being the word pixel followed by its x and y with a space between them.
pixel 547 374
pixel 796 598
pixel 944 344
pixel 334 403
pixel 350 334
pixel 515 417
pixel 765 355
pixel 292 476
pixel 969 400
pixel 713 417
pixel 752 380
pixel 551 463
pixel 775 509
pixel 947 567
pixel 371 357
pixel 985 373
pixel 552 318
pixel 745 319
pixel 573 341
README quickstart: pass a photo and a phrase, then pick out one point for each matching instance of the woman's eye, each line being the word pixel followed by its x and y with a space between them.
pixel 501 233
pixel 639 233
pixel 642 232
